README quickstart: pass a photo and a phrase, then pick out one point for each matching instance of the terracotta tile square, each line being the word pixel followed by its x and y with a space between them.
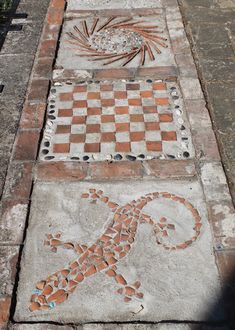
pixel 107 102
pixel 108 137
pixel 93 128
pixel 120 95
pixel 77 138
pixel 65 113
pixel 123 147
pixel 80 89
pixel 63 129
pixel 154 146
pixel 169 136
pixel 166 118
pixel 107 119
pixel 94 111
pixel 137 136
pixel 61 148
pixel 159 86
pixel 66 96
pixel 132 87
pixel 136 118
pixel 150 109
pixel 79 120
pixel 146 94
pixel 106 87
pixel 121 110
pixel 92 147
pixel 122 127
pixel 152 126
pixel 162 101
pixel 93 96
pixel 134 102
pixel 80 104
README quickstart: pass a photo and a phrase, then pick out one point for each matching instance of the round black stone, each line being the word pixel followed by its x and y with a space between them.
pixel 186 154
pixel 141 156
pixel 86 158
pixel 131 158
pixel 118 157
pixel 49 157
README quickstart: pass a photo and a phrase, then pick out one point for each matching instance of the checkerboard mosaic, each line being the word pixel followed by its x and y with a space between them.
pixel 116 120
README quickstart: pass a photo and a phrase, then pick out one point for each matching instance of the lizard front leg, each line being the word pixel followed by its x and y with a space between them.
pixel 129 291
pixel 54 241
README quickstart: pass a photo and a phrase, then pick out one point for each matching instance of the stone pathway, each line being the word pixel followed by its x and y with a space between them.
pixel 122 206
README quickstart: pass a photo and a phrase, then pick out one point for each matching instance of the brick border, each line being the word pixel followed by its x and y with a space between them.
pixel 22 170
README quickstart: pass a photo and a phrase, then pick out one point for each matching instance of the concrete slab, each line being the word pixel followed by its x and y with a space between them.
pixel 170 267
pixel 106 43
pixel 118 120
pixel 112 4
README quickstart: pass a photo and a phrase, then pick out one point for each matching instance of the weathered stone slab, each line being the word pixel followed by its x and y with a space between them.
pixel 112 4
pixel 101 42
pixel 170 280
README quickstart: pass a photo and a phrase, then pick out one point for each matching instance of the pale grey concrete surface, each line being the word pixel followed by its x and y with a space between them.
pixel 177 285
pixel 112 4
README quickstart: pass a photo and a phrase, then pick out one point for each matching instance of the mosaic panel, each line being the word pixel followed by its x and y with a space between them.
pixel 103 244
pixel 113 42
pixel 116 121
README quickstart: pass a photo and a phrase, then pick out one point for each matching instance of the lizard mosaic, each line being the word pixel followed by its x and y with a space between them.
pixel 113 245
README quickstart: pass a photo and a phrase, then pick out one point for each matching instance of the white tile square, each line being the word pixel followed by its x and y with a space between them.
pixel 76 148
pixel 122 118
pixel 106 95
pixel 79 96
pixel 152 136
pixel 138 147
pixel 61 138
pixel 93 137
pixel 148 102
pixel 135 110
pixel 93 120
pixel 78 129
pixel 137 127
pixel 123 137
pixel 151 117
pixel 107 127
pixel 94 103
pixel 108 110
pixel 133 94
pixel 79 111
pixel 107 148
pixel 121 102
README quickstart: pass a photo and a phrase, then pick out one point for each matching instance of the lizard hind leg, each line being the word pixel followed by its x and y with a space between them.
pixel 54 242
pixel 129 291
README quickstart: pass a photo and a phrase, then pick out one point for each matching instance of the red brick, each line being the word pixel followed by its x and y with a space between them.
pixel 114 73
pixel 137 136
pixel 5 304
pixel 92 147
pixel 61 171
pixel 165 72
pixel 108 137
pixel 77 138
pixel 26 145
pixel 33 115
pixel 43 68
pixel 93 128
pixel 169 136
pixel 122 127
pixel 123 147
pixel 55 16
pixel 162 101
pixel 19 181
pixel 58 4
pixel 154 145
pixel 47 48
pixel 61 148
pixel 165 118
pixel 38 90
pixel 117 170
pixel 169 168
